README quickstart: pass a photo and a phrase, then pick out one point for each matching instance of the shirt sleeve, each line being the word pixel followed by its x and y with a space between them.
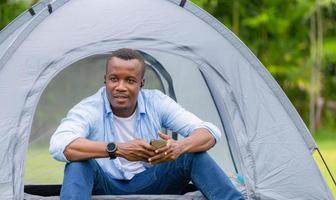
pixel 75 125
pixel 175 118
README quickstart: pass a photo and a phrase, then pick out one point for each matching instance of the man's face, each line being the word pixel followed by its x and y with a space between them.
pixel 123 82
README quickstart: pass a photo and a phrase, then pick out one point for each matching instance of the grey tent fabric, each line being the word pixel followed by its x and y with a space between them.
pixel 264 138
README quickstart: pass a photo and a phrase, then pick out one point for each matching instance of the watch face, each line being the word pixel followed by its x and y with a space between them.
pixel 111 147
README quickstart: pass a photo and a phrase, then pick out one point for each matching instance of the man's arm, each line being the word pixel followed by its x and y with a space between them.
pixel 70 143
pixel 84 149
pixel 199 140
pixel 199 135
pixel 177 119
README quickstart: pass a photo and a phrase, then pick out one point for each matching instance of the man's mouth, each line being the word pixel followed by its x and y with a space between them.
pixel 120 97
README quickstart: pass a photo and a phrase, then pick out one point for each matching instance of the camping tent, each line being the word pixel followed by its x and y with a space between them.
pixel 193 58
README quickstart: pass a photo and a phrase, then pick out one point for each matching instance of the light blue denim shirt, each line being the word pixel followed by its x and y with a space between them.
pixel 92 118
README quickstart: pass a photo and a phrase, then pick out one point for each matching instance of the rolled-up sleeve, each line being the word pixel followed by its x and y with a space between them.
pixel 179 120
pixel 75 125
pixel 215 132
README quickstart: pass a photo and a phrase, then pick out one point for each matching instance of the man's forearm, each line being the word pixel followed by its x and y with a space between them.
pixel 199 140
pixel 84 149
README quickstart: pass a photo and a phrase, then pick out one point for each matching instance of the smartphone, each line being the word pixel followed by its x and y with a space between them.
pixel 158 143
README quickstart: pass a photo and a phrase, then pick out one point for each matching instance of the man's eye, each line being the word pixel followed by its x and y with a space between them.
pixel 131 81
pixel 113 79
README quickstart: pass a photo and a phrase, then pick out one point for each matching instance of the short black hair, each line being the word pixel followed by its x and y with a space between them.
pixel 128 54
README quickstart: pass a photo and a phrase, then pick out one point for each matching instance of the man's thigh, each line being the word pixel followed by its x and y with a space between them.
pixel 164 178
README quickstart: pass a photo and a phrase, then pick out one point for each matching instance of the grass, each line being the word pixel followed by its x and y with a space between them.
pixel 42 169
pixel 326 141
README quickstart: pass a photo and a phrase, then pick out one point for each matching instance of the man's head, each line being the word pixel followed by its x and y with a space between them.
pixel 124 77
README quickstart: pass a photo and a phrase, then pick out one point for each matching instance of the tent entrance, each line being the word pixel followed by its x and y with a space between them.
pixel 77 81
pixel 83 78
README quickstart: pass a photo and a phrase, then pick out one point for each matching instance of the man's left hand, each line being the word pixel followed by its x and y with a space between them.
pixel 170 152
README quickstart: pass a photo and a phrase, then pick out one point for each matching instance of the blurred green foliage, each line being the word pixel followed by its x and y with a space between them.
pixel 9 10
pixel 278 32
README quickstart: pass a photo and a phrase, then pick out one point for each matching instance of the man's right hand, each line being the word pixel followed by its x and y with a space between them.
pixel 135 150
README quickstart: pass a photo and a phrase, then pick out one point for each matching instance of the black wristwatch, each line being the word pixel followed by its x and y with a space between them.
pixel 111 149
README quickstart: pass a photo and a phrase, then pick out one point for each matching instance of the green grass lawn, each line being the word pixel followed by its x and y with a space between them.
pixel 326 142
pixel 42 169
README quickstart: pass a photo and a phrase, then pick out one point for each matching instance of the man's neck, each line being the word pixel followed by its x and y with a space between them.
pixel 123 113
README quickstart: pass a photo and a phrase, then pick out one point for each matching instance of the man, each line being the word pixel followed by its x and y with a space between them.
pixel 105 141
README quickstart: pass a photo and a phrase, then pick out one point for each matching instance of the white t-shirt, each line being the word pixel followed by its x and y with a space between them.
pixel 125 132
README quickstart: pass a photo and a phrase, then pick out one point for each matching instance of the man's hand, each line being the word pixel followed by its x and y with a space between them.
pixel 135 150
pixel 170 152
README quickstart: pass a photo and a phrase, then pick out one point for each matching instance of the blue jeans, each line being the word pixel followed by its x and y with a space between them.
pixel 83 178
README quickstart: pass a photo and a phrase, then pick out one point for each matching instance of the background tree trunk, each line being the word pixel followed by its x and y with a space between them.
pixel 312 36
pixel 235 17
pixel 319 56
pixel 316 48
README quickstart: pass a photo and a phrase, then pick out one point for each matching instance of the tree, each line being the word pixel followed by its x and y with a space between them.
pixel 9 10
pixel 287 36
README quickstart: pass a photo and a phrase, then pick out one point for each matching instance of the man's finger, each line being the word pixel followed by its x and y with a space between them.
pixel 160 160
pixel 148 153
pixel 137 157
pixel 169 142
pixel 163 136
pixel 160 156
pixel 147 146
pixel 166 158
pixel 162 149
pixel 156 157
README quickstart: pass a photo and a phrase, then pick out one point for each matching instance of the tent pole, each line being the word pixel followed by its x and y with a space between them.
pixel 325 164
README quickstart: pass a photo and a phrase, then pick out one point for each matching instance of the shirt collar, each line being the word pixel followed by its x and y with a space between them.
pixel 140 103
pixel 107 106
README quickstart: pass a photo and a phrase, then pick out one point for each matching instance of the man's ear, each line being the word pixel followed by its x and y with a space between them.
pixel 142 83
pixel 104 79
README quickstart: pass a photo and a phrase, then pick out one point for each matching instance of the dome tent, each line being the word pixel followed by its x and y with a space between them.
pixel 264 138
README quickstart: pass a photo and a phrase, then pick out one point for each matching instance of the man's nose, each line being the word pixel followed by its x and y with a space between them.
pixel 121 86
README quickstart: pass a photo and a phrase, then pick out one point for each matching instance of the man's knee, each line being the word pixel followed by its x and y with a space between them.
pixel 189 158
pixel 78 180
pixel 196 156
pixel 85 166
